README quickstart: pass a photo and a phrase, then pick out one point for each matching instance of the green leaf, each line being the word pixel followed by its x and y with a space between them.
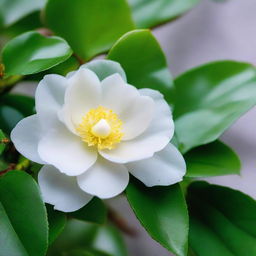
pixel 95 211
pixel 23 224
pixel 86 252
pixel 57 221
pixel 9 118
pixel 105 68
pixel 14 10
pixel 2 143
pixel 90 27
pixel 109 240
pixel 222 221
pixel 30 22
pixel 25 104
pixel 13 108
pixel 32 52
pixel 144 62
pixel 149 13
pixel 163 213
pixel 210 98
pixel 213 159
pixel 84 236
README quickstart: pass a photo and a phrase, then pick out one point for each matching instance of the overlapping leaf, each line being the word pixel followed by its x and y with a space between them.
pixel 213 159
pixel 163 213
pixel 143 61
pixel 23 225
pixel 222 221
pixel 210 98
pixel 90 27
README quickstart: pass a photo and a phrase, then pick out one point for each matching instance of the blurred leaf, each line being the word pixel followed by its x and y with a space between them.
pixel 210 98
pixel 105 68
pixel 13 108
pixel 3 164
pixel 95 211
pixel 9 118
pixel 90 27
pixel 23 224
pixel 57 221
pixel 143 61
pixel 86 252
pixel 2 141
pixel 149 13
pixel 84 236
pixel 222 221
pixel 25 104
pixel 31 53
pixel 13 10
pixel 109 240
pixel 213 159
pixel 28 23
pixel 163 213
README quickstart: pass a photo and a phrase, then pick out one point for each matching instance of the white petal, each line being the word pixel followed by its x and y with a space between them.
pixel 60 190
pixel 50 98
pixel 83 93
pixel 66 151
pixel 116 94
pixel 154 139
pixel 165 168
pixel 104 179
pixel 26 136
pixel 135 111
pixel 163 120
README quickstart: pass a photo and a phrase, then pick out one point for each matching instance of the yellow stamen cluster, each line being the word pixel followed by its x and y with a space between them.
pixel 93 117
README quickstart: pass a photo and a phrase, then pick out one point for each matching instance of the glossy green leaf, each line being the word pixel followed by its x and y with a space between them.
pixel 222 221
pixel 210 98
pixel 84 236
pixel 163 213
pixel 149 13
pixel 23 224
pixel 143 61
pixel 12 11
pixel 213 159
pixel 105 68
pixel 90 27
pixel 95 211
pixel 57 221
pixel 31 53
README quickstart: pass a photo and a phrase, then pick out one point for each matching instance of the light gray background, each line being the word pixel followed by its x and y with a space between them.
pixel 211 31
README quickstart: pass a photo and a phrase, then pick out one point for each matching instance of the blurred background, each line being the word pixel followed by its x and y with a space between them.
pixel 213 30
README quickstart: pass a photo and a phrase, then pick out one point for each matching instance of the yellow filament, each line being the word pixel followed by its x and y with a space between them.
pixel 93 117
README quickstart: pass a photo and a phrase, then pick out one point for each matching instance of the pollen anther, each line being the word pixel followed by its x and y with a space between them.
pixel 101 127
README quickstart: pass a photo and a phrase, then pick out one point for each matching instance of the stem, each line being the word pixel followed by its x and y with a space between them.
pixel 115 218
pixel 10 168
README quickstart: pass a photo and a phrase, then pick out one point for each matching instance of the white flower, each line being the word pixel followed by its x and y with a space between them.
pixel 89 134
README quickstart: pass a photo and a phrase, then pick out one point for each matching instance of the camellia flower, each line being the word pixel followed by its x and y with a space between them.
pixel 89 134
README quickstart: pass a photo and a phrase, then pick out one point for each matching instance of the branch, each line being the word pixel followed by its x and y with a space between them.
pixel 115 218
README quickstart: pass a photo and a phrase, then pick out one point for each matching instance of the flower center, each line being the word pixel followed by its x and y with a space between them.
pixel 101 127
